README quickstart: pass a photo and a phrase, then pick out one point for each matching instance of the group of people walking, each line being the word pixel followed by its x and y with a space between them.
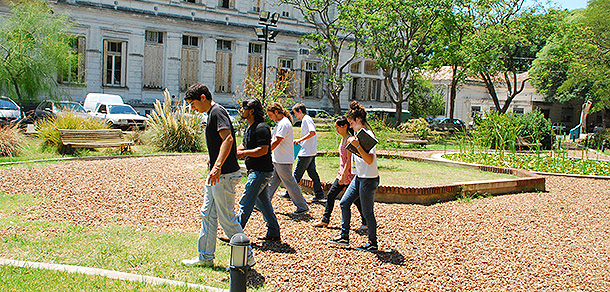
pixel 269 157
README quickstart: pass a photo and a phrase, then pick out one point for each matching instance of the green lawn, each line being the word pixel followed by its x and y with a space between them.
pixel 115 247
pixel 27 279
pixel 410 173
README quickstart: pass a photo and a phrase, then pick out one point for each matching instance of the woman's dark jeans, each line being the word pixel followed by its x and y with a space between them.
pixel 333 192
pixel 363 188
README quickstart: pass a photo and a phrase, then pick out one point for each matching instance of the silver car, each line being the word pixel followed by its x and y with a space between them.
pixel 10 112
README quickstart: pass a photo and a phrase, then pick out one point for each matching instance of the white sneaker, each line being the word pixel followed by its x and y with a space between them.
pixel 196 262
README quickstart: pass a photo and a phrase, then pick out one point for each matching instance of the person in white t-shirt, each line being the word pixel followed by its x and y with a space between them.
pixel 283 157
pixel 363 186
pixel 307 154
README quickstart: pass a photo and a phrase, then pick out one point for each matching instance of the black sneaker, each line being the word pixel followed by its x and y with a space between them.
pixel 317 199
pixel 339 241
pixel 368 247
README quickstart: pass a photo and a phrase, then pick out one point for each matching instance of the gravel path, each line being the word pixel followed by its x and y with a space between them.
pixel 556 240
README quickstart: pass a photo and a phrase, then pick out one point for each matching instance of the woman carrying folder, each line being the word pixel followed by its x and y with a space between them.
pixel 344 175
pixel 363 186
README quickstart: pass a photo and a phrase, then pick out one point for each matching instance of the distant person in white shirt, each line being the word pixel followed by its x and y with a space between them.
pixel 307 154
pixel 283 157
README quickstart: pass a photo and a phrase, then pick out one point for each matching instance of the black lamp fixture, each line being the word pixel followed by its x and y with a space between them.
pixel 266 35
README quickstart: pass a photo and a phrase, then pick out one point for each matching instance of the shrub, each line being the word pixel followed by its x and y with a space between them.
pixel 175 130
pixel 416 126
pixel 10 140
pixel 537 128
pixel 47 128
pixel 497 131
pixel 382 132
pixel 598 139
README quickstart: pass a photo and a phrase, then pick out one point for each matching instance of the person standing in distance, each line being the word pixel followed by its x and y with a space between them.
pixel 307 154
pixel 363 186
pixel 256 151
pixel 283 157
pixel 223 175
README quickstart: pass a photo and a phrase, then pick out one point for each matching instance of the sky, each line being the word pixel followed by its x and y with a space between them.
pixel 570 4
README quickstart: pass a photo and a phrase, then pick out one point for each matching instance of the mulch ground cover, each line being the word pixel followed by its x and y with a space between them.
pixel 554 240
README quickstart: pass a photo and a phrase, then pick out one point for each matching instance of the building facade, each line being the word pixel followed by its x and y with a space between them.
pixel 137 48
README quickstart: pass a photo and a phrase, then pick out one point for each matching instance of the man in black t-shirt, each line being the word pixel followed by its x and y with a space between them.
pixel 256 150
pixel 224 174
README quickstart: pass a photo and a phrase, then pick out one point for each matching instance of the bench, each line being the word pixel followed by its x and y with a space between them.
pixel 101 138
pixel 409 138
pixel 523 144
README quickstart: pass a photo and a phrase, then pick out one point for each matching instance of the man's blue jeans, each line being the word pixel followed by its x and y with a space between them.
pixel 255 192
pixel 218 206
pixel 365 189
pixel 309 163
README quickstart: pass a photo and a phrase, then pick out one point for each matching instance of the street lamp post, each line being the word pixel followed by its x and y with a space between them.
pixel 267 36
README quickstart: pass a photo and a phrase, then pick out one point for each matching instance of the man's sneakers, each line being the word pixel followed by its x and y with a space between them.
pixel 368 247
pixel 317 199
pixel 196 262
pixel 342 241
pixel 299 212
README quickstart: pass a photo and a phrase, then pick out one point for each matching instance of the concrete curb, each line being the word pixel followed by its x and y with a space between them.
pixel 439 156
pixel 105 273
pixel 426 195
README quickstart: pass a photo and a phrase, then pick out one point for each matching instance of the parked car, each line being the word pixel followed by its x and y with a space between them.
pixel 121 116
pixel 52 108
pixel 10 112
pixel 559 128
pixel 598 128
pixel 318 113
pixel 313 113
pixel 233 115
pixel 92 100
pixel 445 124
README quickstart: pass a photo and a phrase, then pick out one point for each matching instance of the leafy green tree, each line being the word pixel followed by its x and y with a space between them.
pixel 426 102
pixel 506 41
pixel 33 45
pixel 338 25
pixel 398 36
pixel 575 63
pixel 451 33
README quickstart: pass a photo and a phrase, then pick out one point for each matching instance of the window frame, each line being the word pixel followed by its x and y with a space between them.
pixel 122 54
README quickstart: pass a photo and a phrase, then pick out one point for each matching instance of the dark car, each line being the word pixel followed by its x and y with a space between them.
pixel 52 108
pixel 445 124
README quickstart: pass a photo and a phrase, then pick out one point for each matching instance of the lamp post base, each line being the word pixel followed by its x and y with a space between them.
pixel 237 279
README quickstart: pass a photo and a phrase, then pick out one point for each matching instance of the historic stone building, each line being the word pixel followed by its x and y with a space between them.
pixel 137 48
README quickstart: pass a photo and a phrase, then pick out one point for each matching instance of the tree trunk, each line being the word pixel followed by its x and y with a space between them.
pixel 491 89
pixel 452 96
